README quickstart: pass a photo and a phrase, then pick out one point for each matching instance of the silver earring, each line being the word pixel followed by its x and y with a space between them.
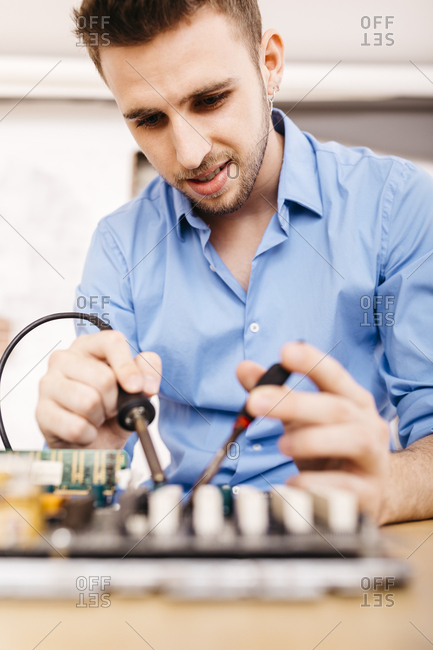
pixel 271 99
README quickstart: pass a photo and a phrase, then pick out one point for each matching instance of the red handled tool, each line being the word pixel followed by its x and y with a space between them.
pixel 276 375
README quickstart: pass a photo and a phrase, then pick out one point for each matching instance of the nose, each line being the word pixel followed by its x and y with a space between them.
pixel 190 144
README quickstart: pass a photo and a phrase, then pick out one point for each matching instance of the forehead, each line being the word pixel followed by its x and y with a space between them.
pixel 198 52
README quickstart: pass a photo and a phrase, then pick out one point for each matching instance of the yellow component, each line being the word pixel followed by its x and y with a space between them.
pixel 21 520
pixel 51 503
pixel 67 492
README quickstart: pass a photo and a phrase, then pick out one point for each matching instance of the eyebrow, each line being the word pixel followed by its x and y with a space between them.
pixel 137 113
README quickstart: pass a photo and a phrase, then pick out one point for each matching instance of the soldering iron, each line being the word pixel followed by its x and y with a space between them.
pixel 135 411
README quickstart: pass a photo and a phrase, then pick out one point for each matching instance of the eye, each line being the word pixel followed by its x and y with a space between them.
pixel 149 122
pixel 212 101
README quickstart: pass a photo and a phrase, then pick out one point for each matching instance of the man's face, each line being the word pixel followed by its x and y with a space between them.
pixel 196 105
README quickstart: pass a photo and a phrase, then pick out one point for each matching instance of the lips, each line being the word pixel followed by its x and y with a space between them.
pixel 209 176
pixel 210 182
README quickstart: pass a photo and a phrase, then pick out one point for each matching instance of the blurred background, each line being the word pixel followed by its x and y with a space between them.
pixel 359 72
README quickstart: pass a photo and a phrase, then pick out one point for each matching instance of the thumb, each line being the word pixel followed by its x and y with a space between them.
pixel 150 367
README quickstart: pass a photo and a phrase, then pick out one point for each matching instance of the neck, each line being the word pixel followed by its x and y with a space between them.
pixel 236 236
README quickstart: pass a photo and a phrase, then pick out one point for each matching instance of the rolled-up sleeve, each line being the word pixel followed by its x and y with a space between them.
pixel 406 299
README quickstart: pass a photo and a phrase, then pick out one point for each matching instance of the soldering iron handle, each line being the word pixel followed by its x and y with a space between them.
pixel 276 375
pixel 126 402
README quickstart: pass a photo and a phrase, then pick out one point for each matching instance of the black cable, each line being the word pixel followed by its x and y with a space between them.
pixel 98 322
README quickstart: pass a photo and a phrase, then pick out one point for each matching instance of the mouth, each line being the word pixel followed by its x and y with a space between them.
pixel 210 182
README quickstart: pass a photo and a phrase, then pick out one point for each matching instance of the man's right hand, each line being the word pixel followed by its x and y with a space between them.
pixel 78 396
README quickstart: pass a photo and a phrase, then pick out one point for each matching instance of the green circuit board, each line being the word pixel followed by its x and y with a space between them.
pixel 83 468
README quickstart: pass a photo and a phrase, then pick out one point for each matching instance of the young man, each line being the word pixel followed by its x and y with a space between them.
pixel 255 236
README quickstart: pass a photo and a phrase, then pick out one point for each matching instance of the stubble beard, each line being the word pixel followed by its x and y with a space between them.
pixel 249 169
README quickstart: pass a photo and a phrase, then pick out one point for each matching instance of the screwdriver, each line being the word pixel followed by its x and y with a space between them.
pixel 275 375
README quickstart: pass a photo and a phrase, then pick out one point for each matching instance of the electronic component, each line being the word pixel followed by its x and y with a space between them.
pixel 336 509
pixel 219 544
pixel 165 510
pixel 293 508
pixel 163 523
pixel 73 470
pixel 208 511
pixel 251 509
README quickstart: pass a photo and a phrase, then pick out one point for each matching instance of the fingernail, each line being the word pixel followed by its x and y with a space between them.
pixel 150 384
pixel 134 383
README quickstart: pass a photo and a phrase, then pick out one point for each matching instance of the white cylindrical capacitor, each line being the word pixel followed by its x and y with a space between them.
pixel 165 510
pixel 207 514
pixel 137 525
pixel 293 508
pixel 251 508
pixel 337 509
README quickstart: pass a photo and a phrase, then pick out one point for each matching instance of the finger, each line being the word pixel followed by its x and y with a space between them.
pixel 71 429
pixel 350 442
pixel 300 406
pixel 249 374
pixel 86 370
pixel 113 348
pixel 82 399
pixel 327 373
pixel 150 367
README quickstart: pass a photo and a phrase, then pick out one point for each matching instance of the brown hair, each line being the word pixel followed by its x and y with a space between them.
pixel 132 22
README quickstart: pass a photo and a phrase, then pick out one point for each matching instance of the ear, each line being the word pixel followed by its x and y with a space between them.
pixel 272 60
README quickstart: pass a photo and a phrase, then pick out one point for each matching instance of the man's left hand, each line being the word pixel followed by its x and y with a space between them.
pixel 336 436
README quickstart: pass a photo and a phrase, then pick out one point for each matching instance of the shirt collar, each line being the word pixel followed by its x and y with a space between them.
pixel 299 181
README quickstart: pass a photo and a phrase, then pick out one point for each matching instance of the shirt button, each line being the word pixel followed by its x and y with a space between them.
pixel 257 447
pixel 254 328
pixel 235 490
pixel 212 268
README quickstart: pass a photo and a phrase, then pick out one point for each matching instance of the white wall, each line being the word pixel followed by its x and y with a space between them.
pixel 63 166
pixel 314 30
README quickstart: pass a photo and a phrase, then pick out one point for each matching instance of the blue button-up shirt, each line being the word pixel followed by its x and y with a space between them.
pixel 346 264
